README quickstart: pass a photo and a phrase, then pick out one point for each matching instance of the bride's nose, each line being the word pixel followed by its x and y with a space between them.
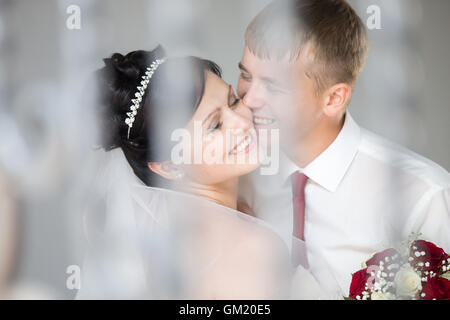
pixel 238 118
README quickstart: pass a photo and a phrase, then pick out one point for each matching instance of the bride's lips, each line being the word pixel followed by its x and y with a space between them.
pixel 262 121
pixel 244 145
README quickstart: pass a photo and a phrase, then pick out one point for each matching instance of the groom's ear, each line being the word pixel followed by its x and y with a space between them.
pixel 336 99
pixel 165 169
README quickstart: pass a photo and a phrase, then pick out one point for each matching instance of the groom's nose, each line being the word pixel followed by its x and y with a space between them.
pixel 253 98
pixel 239 118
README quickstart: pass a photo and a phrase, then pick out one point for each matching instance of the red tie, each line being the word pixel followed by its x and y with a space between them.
pixel 298 193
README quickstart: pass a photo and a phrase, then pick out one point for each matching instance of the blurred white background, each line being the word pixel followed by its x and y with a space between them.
pixel 402 94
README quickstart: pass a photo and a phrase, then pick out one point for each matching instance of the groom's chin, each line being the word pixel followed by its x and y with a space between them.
pixel 268 135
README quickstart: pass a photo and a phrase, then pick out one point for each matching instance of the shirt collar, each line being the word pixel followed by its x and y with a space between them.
pixel 329 168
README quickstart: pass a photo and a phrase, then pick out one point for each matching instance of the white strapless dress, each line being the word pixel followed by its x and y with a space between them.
pixel 151 243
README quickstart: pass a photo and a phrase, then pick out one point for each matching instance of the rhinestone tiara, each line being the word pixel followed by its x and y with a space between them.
pixel 138 96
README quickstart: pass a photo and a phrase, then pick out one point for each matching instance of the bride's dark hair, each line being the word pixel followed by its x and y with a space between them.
pixel 170 100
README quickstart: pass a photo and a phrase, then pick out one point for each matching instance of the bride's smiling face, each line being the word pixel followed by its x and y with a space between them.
pixel 227 136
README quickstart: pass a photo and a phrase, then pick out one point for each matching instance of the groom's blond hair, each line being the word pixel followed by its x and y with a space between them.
pixel 328 32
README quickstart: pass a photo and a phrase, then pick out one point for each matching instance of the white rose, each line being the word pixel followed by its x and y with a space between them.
pixel 407 282
pixel 379 296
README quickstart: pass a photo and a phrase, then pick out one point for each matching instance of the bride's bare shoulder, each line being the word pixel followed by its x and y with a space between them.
pixel 255 265
pixel 257 244
pixel 250 260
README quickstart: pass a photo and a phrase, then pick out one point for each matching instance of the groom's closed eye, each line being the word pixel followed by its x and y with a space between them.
pixel 245 75
pixel 273 89
pixel 272 85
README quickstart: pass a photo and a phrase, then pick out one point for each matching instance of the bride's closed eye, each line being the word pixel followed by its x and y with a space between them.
pixel 235 102
pixel 216 118
pixel 216 121
pixel 216 124
pixel 232 100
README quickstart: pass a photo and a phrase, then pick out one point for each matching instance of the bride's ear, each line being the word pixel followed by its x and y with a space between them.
pixel 166 169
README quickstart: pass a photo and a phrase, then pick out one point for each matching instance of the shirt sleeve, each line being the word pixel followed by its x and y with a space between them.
pixel 433 220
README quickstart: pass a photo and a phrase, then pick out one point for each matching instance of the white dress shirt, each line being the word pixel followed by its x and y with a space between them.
pixel 364 194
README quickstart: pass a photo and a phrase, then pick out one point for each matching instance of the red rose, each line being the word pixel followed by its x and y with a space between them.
pixel 433 255
pixel 436 288
pixel 358 285
pixel 381 256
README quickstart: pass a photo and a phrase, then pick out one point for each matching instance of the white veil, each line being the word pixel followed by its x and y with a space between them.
pixel 153 243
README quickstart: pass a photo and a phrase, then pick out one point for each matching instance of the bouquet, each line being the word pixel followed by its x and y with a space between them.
pixel 419 270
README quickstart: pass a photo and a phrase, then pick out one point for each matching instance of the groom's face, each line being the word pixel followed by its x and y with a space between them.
pixel 280 95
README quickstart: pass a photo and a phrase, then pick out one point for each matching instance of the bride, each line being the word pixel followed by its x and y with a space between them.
pixel 171 230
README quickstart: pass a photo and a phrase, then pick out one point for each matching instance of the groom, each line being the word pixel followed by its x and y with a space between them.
pixel 342 189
